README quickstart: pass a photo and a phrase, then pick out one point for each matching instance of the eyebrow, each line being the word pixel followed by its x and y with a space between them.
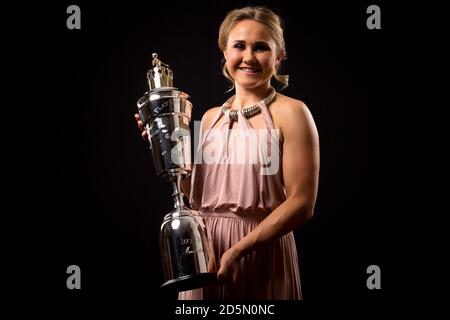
pixel 257 42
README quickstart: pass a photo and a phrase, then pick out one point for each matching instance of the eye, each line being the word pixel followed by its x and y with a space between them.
pixel 261 47
pixel 240 46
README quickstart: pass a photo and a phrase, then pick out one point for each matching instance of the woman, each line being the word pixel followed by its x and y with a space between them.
pixel 250 208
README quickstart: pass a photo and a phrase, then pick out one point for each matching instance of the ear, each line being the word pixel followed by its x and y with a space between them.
pixel 225 54
pixel 281 56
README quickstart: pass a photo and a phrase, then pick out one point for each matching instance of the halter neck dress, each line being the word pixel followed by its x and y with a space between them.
pixel 232 198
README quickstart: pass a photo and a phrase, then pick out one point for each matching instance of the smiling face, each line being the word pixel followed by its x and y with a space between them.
pixel 251 54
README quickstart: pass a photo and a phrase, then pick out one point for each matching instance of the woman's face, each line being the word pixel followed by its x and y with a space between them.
pixel 250 54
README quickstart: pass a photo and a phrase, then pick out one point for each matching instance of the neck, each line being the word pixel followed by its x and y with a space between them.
pixel 248 97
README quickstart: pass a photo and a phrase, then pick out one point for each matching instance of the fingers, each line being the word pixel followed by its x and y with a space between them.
pixel 224 279
pixel 221 277
pixel 141 127
pixel 220 273
pixel 139 122
pixel 212 266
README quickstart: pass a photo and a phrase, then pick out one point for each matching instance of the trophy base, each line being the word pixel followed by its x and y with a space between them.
pixel 190 282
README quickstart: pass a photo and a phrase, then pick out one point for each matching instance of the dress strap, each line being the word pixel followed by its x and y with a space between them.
pixel 274 136
pixel 217 117
pixel 266 115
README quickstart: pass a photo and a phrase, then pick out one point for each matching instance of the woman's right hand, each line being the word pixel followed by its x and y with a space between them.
pixel 141 127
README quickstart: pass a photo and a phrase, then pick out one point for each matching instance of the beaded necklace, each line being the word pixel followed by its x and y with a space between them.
pixel 249 111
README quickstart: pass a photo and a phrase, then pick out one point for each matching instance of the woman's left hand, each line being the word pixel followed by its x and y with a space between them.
pixel 229 267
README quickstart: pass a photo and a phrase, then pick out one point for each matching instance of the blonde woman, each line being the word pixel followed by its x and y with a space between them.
pixel 257 177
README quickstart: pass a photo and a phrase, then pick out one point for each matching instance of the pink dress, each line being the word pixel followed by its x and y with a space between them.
pixel 233 197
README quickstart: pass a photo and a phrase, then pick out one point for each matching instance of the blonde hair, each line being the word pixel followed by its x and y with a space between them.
pixel 264 16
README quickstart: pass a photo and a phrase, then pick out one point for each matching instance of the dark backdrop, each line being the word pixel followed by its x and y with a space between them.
pixel 93 198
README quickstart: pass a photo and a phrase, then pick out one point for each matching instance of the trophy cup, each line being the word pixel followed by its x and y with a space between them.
pixel 165 111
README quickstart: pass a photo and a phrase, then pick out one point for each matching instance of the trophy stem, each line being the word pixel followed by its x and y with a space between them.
pixel 178 203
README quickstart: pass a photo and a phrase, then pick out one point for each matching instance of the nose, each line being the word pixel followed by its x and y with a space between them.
pixel 249 56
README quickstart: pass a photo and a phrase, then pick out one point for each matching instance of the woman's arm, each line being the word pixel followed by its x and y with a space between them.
pixel 300 165
pixel 185 185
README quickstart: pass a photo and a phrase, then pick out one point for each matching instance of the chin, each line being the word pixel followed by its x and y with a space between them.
pixel 250 83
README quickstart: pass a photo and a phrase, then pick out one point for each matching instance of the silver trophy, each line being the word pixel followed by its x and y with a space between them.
pixel 187 258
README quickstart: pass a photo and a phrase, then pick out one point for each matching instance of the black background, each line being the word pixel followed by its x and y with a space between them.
pixel 87 191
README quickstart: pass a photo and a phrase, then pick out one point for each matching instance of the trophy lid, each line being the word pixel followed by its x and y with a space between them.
pixel 160 75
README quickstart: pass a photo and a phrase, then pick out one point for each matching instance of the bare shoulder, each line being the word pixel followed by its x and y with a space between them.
pixel 287 108
pixel 210 113
pixel 208 116
pixel 291 115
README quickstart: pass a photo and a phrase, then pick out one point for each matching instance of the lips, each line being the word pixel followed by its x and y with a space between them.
pixel 249 70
